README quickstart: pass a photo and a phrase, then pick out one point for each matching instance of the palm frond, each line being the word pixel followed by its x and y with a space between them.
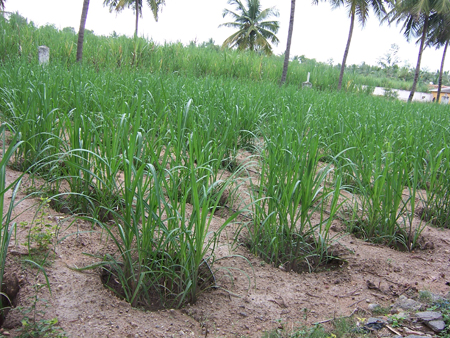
pixel 254 31
pixel 155 7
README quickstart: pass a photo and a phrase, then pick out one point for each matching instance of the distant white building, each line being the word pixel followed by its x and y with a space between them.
pixel 404 94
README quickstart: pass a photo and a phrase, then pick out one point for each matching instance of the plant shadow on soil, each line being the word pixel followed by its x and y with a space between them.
pixel 70 204
pixel 159 296
pixel 306 259
pixel 400 240
pixel 434 217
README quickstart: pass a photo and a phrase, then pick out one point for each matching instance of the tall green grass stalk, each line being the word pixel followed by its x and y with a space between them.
pixel 164 249
pixel 291 192
pixel 381 212
pixel 436 198
pixel 8 225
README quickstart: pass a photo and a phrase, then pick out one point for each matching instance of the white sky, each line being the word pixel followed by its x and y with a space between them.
pixel 319 32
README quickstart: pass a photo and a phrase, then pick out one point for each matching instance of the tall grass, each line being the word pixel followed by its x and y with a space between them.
pixel 292 191
pixel 381 212
pixel 144 146
pixel 8 148
pixel 344 122
pixel 162 245
pixel 165 249
pixel 436 199
pixel 21 40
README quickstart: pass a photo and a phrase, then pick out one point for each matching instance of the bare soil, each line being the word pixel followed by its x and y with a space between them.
pixel 252 297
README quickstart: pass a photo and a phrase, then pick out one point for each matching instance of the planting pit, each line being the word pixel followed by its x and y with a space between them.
pixel 10 289
pixel 252 296
pixel 109 277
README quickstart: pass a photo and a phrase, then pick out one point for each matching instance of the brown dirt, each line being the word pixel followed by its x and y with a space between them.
pixel 254 298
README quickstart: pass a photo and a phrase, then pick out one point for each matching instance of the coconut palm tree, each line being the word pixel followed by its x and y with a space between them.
pixel 356 9
pixel 438 36
pixel 441 71
pixel 415 15
pixel 136 5
pixel 288 45
pixel 254 31
pixel 84 14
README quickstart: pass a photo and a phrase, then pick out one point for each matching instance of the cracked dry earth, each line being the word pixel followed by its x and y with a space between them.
pixel 256 297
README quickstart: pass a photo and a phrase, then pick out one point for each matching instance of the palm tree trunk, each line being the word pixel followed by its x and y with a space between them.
pixel 347 48
pixel 84 14
pixel 288 45
pixel 441 71
pixel 137 19
pixel 419 59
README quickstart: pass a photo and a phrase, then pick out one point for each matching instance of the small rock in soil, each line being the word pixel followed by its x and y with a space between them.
pixel 436 325
pixel 427 316
pixel 374 324
pixel 407 304
pixel 373 306
pixel 18 250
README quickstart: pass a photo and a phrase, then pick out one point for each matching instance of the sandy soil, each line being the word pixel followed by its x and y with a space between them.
pixel 256 298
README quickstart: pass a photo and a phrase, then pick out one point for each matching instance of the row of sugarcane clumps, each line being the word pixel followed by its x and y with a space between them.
pixel 150 157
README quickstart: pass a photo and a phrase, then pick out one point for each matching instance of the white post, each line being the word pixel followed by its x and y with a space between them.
pixel 307 84
pixel 44 55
